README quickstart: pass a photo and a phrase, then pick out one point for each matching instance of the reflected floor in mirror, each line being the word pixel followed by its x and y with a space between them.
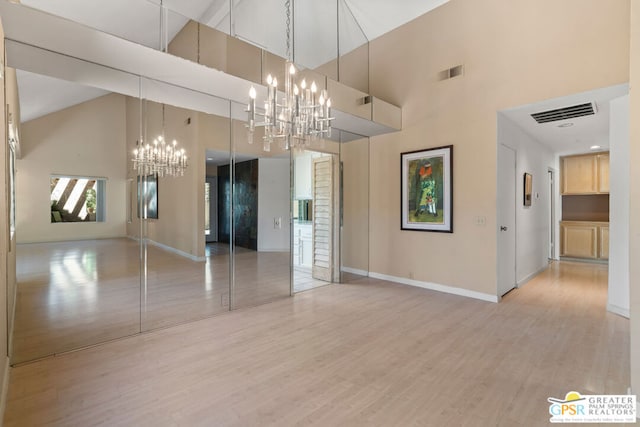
pixel 75 294
pixel 303 280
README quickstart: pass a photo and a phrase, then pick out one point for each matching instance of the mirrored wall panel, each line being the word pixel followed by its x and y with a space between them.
pixel 144 23
pixel 78 265
pixel 242 38
pixel 353 60
pixel 354 164
pixel 260 199
pixel 316 214
pixel 316 41
pixel 187 266
pixel 141 204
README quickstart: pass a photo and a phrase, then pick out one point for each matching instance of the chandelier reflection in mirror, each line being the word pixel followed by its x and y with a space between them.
pixel 160 158
pixel 301 116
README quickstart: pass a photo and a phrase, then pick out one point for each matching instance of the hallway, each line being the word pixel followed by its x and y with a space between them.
pixel 365 353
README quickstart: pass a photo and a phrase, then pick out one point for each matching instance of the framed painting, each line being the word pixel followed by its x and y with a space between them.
pixel 527 189
pixel 427 190
pixel 148 197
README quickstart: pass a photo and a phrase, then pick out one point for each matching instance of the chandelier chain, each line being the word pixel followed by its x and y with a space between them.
pixel 287 5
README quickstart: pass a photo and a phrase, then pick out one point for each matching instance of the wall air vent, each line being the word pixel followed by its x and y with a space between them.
pixel 565 113
pixel 452 72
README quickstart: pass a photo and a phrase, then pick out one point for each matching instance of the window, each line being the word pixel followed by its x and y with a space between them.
pixel 77 199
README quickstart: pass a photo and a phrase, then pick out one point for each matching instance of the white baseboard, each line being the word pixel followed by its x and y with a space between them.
pixel 436 287
pixel 364 273
pixel 5 389
pixel 176 251
pixel 524 281
pixel 624 312
pixel 274 249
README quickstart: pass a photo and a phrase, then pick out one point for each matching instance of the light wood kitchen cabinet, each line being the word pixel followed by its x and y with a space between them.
pixel 585 174
pixel 583 239
pixel 603 241
pixel 603 173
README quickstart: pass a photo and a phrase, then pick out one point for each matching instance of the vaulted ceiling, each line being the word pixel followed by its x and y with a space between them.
pixel 321 28
pixel 315 23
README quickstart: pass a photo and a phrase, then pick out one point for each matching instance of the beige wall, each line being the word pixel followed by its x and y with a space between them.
pixel 84 140
pixel 350 69
pixel 514 53
pixel 179 208
pixel 634 197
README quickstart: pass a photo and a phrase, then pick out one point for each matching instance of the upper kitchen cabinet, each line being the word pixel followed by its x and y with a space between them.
pixel 585 174
pixel 603 173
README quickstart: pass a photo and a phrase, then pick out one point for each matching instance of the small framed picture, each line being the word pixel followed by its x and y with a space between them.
pixel 148 197
pixel 528 188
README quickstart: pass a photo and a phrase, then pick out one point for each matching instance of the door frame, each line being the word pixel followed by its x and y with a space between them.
pixel 553 237
pixel 499 293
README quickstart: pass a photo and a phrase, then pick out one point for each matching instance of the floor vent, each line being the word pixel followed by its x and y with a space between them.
pixel 565 113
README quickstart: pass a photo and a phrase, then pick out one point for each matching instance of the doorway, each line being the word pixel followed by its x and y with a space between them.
pixel 315 215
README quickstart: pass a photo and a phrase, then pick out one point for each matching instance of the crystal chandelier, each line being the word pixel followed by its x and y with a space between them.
pixel 160 158
pixel 302 115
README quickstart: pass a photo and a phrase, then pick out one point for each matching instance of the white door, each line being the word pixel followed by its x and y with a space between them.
pixel 211 209
pixel 323 193
pixel 506 219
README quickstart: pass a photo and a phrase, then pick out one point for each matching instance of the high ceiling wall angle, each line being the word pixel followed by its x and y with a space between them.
pixel 29 29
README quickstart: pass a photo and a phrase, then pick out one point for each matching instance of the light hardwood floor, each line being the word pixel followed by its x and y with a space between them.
pixel 364 353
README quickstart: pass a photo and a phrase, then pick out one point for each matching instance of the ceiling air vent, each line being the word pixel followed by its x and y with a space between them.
pixel 565 113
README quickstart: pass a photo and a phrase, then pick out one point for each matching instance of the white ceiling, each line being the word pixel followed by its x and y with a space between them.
pixel 584 131
pixel 41 95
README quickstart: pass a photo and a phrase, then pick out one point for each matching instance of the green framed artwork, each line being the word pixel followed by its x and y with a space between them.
pixel 427 190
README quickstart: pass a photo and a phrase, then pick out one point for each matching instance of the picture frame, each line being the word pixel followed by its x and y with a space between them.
pixel 148 197
pixel 527 189
pixel 427 190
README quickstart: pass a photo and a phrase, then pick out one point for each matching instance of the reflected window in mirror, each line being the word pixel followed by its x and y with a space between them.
pixel 13 147
pixel 12 188
pixel 77 199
